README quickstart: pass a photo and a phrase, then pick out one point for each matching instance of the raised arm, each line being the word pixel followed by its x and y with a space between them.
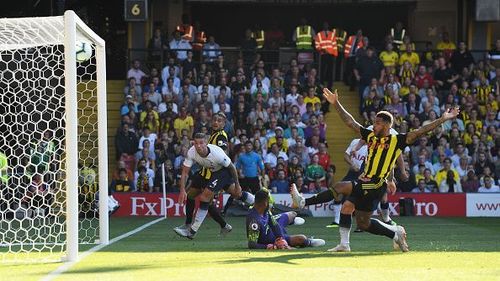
pixel 412 136
pixel 333 98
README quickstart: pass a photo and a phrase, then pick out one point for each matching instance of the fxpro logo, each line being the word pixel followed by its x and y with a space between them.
pixel 429 209
pixel 142 207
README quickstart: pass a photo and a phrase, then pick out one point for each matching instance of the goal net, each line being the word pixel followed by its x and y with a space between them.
pixel 53 141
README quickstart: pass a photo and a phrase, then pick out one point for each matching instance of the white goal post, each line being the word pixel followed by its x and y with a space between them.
pixel 54 139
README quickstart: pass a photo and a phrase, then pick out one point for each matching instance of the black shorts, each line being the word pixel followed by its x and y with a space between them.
pixel 218 181
pixel 366 200
pixel 252 184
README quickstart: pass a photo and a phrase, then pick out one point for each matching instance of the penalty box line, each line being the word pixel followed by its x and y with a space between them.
pixel 66 266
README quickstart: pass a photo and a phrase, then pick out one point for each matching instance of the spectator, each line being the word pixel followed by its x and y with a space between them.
pixel 443 174
pixel 136 72
pixel 409 56
pixel 280 184
pixel 150 136
pixel 461 58
pixel 494 55
pixel 122 183
pixel 188 67
pixel 444 76
pixel 211 50
pixel 272 158
pixel 184 121
pixel 470 183
pixel 180 47
pixel 451 183
pixel 481 163
pixel 423 77
pixel 446 46
pixel 166 73
pixel 421 187
pixel 367 68
pixel 460 153
pixel 143 181
pixel 324 157
pixel 430 184
pixel 132 84
pixel 315 171
pixel 157 44
pixel 126 144
pixel 488 186
pixel 248 47
pixel 422 160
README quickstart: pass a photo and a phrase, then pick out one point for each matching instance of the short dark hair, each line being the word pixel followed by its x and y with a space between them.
pixel 200 136
pixel 261 196
pixel 248 142
pixel 386 116
pixel 221 114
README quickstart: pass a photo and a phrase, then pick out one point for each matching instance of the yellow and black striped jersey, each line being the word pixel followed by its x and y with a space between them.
pixel 382 155
pixel 482 93
pixel 464 92
pixel 220 139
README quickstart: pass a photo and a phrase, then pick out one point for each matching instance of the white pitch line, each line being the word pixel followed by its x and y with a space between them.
pixel 61 269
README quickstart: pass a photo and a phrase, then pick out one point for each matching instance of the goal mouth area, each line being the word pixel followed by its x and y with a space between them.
pixel 53 149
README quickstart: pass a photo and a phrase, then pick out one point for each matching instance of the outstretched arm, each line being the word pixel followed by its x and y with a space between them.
pixel 412 136
pixel 333 98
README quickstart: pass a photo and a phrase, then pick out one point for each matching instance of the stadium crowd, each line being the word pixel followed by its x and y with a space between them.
pixel 276 114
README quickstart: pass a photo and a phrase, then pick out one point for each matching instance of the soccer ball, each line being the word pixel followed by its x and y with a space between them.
pixel 83 51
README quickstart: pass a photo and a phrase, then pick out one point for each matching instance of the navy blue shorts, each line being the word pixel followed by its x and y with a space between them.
pixel 282 220
pixel 218 181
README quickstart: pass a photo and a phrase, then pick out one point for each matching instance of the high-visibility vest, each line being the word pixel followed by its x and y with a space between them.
pixel 199 39
pixel 326 43
pixel 341 36
pixel 304 40
pixel 259 38
pixel 187 31
pixel 349 45
pixel 399 39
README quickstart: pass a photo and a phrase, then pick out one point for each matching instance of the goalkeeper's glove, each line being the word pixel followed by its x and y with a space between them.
pixel 271 247
pixel 281 244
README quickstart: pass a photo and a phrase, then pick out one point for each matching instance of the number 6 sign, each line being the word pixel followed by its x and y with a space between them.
pixel 136 10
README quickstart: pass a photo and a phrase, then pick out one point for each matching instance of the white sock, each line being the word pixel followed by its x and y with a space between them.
pixel 336 212
pixel 344 235
pixel 198 220
pixel 385 214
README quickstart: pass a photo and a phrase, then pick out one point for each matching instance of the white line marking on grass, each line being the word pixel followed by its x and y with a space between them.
pixel 58 271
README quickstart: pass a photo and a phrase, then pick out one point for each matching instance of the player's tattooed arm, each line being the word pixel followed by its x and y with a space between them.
pixel 412 136
pixel 333 98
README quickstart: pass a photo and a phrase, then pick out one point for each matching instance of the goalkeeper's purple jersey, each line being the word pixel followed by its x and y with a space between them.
pixel 264 229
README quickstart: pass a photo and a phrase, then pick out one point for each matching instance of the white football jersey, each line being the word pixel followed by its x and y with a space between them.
pixel 215 160
pixel 360 154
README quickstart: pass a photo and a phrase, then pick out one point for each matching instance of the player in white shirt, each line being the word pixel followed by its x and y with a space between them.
pixel 221 174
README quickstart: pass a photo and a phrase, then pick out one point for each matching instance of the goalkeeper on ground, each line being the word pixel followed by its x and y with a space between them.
pixel 265 231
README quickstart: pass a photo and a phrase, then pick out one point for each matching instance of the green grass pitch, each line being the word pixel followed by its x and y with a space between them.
pixel 441 249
